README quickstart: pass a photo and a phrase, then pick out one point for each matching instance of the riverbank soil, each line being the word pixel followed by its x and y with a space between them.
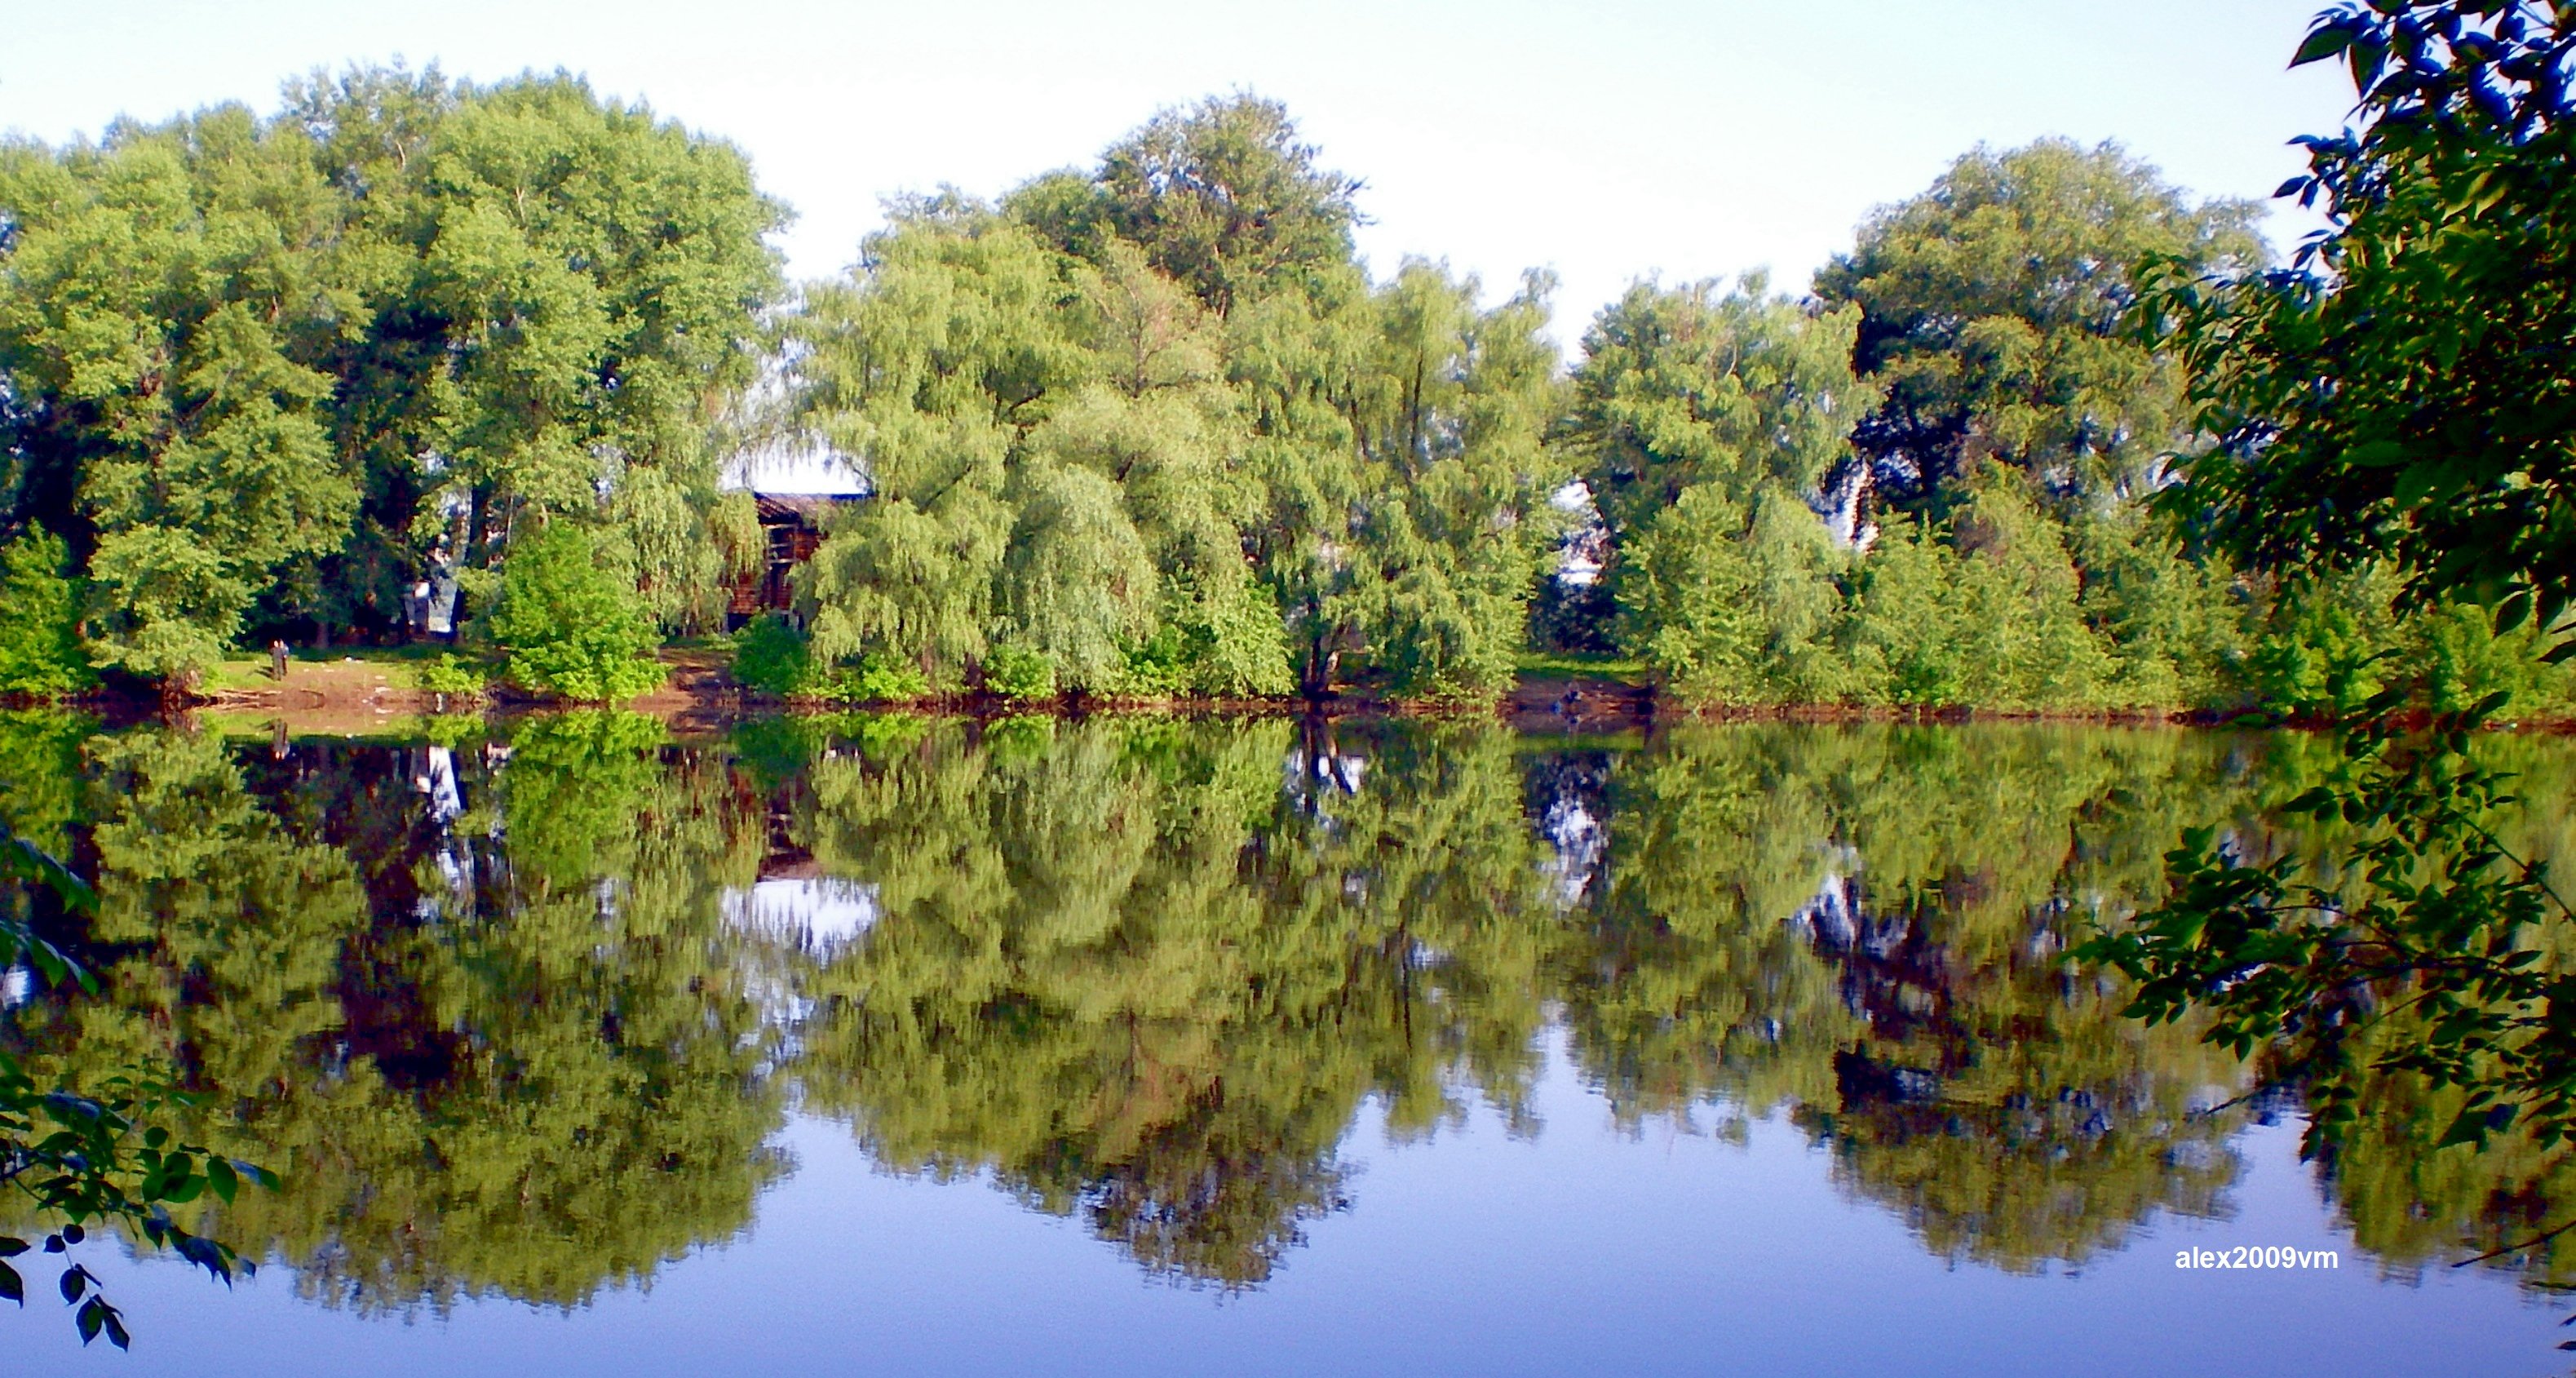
pixel 1584 704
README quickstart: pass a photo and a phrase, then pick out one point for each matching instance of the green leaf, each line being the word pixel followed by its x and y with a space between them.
pixel 93 1314
pixel 220 1176
pixel 12 1286
pixel 2324 41
pixel 2513 612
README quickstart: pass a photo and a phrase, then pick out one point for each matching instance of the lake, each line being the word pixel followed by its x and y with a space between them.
pixel 1141 1046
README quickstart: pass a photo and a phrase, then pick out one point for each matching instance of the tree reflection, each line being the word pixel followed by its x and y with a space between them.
pixel 518 1015
pixel 487 1059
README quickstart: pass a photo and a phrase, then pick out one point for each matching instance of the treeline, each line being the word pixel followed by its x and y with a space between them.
pixel 1149 428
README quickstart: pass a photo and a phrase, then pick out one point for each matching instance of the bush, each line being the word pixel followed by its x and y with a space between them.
pixel 877 678
pixel 771 657
pixel 40 645
pixel 774 657
pixel 572 628
pixel 1016 672
pixel 448 675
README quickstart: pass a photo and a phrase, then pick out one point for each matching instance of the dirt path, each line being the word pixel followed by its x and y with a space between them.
pixel 352 697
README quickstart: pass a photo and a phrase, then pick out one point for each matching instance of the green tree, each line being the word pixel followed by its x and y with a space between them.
pixel 570 625
pixel 2381 408
pixel 1708 422
pixel 594 274
pixel 164 300
pixel 1224 199
pixel 1991 313
pixel 40 644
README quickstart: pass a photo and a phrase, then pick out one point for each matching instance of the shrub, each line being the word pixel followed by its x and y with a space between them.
pixel 878 678
pixel 449 675
pixel 40 645
pixel 1016 672
pixel 572 628
pixel 771 656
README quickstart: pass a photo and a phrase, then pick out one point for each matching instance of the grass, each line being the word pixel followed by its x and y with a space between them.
pixel 1579 665
pixel 250 671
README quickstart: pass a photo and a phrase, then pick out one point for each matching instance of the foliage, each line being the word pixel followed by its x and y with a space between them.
pixel 1019 672
pixel 2428 913
pixel 40 647
pixel 1991 309
pixel 265 374
pixel 1225 200
pixel 2384 416
pixel 1731 608
pixel 1155 425
pixel 1743 390
pixel 448 675
pixel 875 678
pixel 769 656
pixel 92 1160
pixel 2440 443
pixel 570 626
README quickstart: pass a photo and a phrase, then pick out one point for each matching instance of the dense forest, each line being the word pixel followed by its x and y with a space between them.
pixel 1149 429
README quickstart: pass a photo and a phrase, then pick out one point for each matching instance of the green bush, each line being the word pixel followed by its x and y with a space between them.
pixel 1159 666
pixel 570 627
pixel 877 678
pixel 40 645
pixel 449 675
pixel 771 657
pixel 1016 672
pixel 774 657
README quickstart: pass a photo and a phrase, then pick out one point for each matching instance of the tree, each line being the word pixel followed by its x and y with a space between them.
pixel 1708 423
pixel 2440 438
pixel 40 644
pixel 1738 387
pixel 1225 199
pixel 570 625
pixel 164 300
pixel 931 370
pixel 597 273
pixel 2397 400
pixel 1450 527
pixel 268 373
pixel 1991 313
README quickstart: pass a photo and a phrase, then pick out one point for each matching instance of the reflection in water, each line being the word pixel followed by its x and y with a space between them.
pixel 520 1017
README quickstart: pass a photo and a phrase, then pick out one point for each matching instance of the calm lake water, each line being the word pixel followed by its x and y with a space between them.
pixel 1138 1046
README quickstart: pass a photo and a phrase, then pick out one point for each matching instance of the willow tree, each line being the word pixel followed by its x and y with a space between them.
pixel 1152 426
pixel 1449 412
pixel 1708 422
pixel 930 367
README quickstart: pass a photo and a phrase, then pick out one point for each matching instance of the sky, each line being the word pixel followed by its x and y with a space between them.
pixel 1608 141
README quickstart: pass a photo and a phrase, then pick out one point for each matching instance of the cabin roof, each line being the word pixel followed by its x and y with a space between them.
pixel 807 509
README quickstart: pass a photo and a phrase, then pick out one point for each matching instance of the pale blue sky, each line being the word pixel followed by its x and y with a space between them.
pixel 1606 140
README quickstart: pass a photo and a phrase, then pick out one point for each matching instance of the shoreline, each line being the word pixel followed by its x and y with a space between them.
pixel 352 697
pixel 1535 708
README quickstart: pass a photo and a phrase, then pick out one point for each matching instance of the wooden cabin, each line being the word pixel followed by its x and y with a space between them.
pixel 792 524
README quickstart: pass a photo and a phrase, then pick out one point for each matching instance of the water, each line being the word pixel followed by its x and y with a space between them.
pixel 1133 1046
